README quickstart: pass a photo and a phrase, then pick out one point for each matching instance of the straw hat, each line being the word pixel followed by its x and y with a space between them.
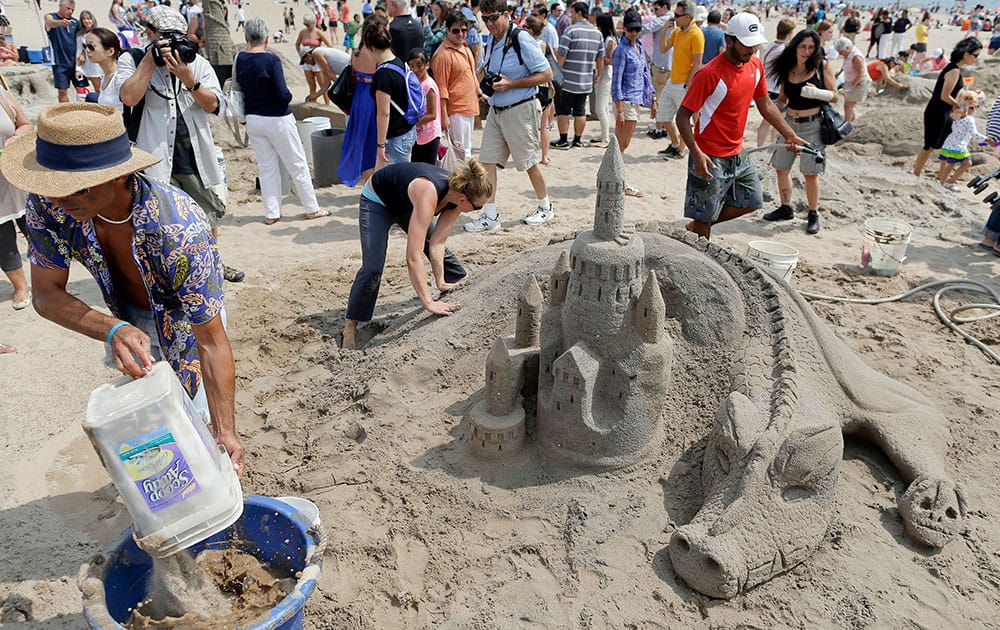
pixel 75 146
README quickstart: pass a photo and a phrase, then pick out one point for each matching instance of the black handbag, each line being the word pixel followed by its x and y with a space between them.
pixel 342 90
pixel 832 126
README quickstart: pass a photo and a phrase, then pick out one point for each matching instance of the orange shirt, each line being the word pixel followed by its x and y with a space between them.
pixel 873 71
pixel 453 71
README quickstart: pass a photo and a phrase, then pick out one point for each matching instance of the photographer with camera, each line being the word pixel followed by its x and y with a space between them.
pixel 179 90
pixel 514 68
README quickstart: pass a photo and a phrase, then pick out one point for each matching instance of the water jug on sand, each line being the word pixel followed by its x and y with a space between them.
pixel 179 486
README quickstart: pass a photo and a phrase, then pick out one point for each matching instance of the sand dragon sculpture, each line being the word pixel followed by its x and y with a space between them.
pixel 587 378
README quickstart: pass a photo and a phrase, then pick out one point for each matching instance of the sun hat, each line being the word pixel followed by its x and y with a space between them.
pixel 74 146
pixel 306 50
pixel 164 19
pixel 632 19
pixel 700 13
pixel 746 28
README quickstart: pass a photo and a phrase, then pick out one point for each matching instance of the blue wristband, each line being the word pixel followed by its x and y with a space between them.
pixel 114 329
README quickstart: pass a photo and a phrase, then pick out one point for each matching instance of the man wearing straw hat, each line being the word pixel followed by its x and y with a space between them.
pixel 148 246
pixel 178 97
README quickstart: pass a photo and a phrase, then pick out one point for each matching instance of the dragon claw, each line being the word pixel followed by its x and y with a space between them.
pixel 933 511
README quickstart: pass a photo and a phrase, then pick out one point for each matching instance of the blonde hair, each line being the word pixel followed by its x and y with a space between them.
pixel 470 179
pixel 969 102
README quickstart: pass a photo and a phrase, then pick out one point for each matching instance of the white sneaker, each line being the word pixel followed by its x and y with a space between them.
pixel 539 216
pixel 483 224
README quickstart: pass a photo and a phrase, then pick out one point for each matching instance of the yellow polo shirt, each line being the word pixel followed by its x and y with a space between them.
pixel 687 44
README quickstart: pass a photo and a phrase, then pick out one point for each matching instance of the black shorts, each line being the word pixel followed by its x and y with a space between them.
pixel 569 104
pixel 920 48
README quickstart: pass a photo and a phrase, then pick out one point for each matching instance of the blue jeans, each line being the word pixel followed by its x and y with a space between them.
pixel 374 221
pixel 398 149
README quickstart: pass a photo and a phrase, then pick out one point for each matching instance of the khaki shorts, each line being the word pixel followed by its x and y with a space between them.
pixel 631 110
pixel 513 133
pixel 670 101
pixel 660 78
pixel 859 92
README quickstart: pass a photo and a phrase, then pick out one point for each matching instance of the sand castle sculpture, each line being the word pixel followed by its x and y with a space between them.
pixel 587 376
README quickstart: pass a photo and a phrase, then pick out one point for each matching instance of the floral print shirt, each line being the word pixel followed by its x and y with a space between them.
pixel 173 247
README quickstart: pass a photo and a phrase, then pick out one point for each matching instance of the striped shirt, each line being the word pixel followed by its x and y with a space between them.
pixel 581 44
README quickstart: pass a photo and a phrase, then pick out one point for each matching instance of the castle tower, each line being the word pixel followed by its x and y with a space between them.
pixel 559 280
pixel 650 311
pixel 502 382
pixel 609 214
pixel 529 315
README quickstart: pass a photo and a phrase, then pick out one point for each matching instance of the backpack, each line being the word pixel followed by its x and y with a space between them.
pixel 132 116
pixel 416 104
pixel 515 43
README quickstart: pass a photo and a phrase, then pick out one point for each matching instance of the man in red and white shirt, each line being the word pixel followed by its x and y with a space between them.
pixel 722 182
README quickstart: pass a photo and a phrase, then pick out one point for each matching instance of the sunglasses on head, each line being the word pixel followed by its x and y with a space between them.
pixel 456 31
pixel 492 18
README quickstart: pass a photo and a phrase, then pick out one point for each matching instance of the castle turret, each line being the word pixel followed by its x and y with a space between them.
pixel 559 280
pixel 609 214
pixel 502 381
pixel 529 315
pixel 650 311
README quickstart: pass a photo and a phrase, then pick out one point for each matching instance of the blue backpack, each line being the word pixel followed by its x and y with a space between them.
pixel 416 104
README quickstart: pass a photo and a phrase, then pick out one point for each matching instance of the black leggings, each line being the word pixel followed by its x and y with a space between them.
pixel 10 259
pixel 426 153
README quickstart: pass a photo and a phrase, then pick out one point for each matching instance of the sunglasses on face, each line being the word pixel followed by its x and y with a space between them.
pixel 89 46
pixel 492 18
pixel 459 31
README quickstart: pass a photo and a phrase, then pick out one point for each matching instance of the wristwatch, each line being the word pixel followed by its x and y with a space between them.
pixel 195 87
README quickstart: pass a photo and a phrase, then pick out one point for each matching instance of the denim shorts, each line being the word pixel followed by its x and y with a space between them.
pixel 734 183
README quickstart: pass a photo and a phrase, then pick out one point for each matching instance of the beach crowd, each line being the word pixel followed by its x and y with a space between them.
pixel 131 182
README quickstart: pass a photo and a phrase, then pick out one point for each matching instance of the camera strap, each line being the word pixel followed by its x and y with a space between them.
pixel 506 46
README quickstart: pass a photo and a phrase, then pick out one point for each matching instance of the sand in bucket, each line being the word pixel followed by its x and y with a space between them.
pixel 779 260
pixel 884 247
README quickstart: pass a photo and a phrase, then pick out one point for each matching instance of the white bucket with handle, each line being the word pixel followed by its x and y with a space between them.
pixel 779 260
pixel 884 247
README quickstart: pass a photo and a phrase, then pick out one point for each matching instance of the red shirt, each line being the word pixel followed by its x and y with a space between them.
pixel 721 93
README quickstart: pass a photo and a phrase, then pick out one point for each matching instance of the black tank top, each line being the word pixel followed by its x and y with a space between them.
pixel 793 91
pixel 936 102
pixel 391 182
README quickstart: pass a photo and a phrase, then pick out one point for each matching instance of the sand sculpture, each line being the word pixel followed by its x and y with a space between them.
pixel 587 378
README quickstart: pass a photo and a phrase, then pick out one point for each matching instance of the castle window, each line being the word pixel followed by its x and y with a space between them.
pixel 571 399
pixel 558 407
pixel 598 294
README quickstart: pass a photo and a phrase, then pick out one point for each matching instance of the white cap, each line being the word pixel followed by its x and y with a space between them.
pixel 700 13
pixel 746 28
pixel 938 52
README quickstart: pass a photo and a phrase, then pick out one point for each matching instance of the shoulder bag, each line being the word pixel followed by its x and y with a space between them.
pixel 832 126
pixel 342 90
pixel 234 110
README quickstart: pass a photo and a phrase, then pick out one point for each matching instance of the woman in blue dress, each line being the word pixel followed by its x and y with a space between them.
pixel 358 153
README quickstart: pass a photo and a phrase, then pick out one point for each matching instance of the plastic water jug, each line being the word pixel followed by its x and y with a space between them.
pixel 178 485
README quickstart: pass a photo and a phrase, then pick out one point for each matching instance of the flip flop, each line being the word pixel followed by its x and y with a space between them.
pixel 316 215
pixel 7 349
pixel 988 248
pixel 632 191
pixel 271 221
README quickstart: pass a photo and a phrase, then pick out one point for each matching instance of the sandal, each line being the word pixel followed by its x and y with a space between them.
pixel 231 275
pixel 316 215
pixel 7 349
pixel 271 221
pixel 632 191
pixel 23 304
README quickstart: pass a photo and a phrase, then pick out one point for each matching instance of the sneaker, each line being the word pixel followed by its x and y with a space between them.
pixel 812 222
pixel 597 141
pixel 483 224
pixel 672 153
pixel 232 275
pixel 559 144
pixel 783 213
pixel 539 216
pixel 577 144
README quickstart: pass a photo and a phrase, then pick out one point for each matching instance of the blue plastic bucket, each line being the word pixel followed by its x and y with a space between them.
pixel 114 581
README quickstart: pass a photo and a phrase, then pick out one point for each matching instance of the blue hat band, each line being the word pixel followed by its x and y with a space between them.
pixel 83 157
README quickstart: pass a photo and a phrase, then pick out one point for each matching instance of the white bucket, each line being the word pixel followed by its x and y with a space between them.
pixel 305 507
pixel 779 260
pixel 319 122
pixel 305 129
pixel 884 247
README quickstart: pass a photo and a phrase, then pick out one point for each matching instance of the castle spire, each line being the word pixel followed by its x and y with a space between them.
pixel 650 310
pixel 559 280
pixel 609 214
pixel 529 314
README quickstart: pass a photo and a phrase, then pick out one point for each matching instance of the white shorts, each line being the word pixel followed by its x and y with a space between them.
pixel 670 101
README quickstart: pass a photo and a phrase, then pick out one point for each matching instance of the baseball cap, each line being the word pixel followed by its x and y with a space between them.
pixel 746 28
pixel 305 51
pixel 938 52
pixel 632 19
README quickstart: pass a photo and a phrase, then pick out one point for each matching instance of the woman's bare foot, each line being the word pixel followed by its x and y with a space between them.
pixel 349 338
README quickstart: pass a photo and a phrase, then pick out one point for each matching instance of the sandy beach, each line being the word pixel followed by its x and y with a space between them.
pixel 423 535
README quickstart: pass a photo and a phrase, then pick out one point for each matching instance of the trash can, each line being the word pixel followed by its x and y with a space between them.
pixel 326 145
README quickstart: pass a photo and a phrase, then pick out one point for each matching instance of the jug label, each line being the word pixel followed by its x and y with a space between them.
pixel 155 463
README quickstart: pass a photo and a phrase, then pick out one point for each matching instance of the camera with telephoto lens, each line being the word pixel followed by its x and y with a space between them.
pixel 486 85
pixel 184 48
